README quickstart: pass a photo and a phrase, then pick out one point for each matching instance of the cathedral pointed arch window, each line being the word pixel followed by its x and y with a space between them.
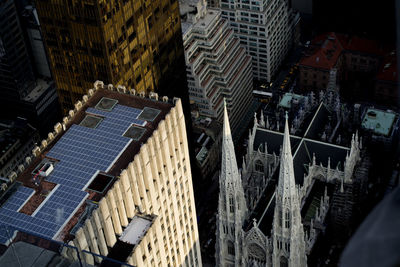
pixel 287 247
pixel 287 219
pixel 231 204
pixel 231 248
pixel 259 166
pixel 280 218
pixel 279 244
pixel 283 262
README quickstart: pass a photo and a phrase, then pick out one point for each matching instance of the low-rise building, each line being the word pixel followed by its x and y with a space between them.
pixel 207 145
pixel 321 59
pixel 361 54
pixel 386 90
pixel 17 139
pixel 382 126
pixel 333 58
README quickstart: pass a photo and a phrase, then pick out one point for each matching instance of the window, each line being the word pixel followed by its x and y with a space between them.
pixel 283 262
pixel 287 247
pixel 287 219
pixel 259 166
pixel 231 248
pixel 231 205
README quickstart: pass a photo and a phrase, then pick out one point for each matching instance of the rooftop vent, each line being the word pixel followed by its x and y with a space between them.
pixel 43 169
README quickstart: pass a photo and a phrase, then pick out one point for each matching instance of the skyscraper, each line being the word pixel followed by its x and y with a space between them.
pixel 117 182
pixel 217 65
pixel 16 75
pixel 137 44
pixel 24 92
pixel 264 28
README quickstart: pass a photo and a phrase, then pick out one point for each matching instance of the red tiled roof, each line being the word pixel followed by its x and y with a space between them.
pixel 324 52
pixel 358 44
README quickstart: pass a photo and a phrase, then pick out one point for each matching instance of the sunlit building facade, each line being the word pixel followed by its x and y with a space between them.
pixel 113 179
pixel 137 44
pixel 217 66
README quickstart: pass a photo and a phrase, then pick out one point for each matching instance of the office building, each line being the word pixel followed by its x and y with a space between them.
pixel 264 28
pixel 31 25
pixel 217 66
pixel 113 179
pixel 17 139
pixel 16 75
pixel 137 44
pixel 26 89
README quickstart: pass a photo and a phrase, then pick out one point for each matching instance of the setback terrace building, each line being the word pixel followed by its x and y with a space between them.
pixel 217 66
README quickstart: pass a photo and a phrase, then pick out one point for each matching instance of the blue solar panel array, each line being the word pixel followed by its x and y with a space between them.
pixel 14 203
pixel 120 114
pixel 81 152
pixel 6 233
pixel 18 198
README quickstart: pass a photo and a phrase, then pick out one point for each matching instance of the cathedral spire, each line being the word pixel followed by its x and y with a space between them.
pixel 229 169
pixel 287 232
pixel 232 208
pixel 286 183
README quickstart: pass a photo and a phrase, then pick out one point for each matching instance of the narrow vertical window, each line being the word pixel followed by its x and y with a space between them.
pixel 287 219
pixel 231 205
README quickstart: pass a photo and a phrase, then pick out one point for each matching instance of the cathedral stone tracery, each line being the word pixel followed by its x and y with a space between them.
pixel 269 179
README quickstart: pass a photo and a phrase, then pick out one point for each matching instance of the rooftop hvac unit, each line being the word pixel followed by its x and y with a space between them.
pixel 46 169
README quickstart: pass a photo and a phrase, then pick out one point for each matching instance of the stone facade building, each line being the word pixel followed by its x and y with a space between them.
pixel 117 182
pixel 289 181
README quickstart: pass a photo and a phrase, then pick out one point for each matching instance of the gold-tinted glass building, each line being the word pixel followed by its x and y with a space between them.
pixel 136 43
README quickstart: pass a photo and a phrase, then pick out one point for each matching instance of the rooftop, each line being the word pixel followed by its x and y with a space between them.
pixel 12 132
pixel 362 45
pixel 388 70
pixel 286 101
pixel 324 52
pixel 41 87
pixel 100 140
pixel 380 122
pixel 304 143
pixel 202 23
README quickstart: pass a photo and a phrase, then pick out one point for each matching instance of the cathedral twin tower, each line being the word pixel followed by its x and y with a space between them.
pixel 237 247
